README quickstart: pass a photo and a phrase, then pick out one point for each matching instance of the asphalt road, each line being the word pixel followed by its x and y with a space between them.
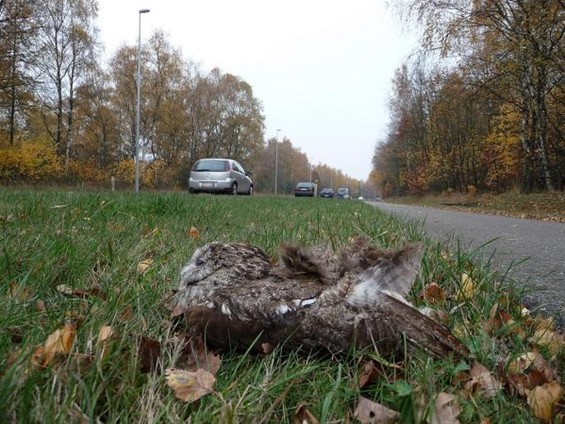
pixel 533 252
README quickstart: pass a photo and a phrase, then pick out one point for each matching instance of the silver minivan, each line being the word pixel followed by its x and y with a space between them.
pixel 218 175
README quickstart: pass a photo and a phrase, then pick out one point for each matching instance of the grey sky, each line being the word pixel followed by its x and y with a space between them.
pixel 321 68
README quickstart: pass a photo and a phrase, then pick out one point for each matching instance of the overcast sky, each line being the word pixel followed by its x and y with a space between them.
pixel 321 68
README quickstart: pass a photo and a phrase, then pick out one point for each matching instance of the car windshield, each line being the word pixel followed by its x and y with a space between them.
pixel 211 165
pixel 304 185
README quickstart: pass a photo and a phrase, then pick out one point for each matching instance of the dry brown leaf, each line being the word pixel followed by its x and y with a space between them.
pixel 144 265
pixel 433 293
pixel 149 353
pixel 58 342
pixel 82 293
pixel 467 289
pixel 18 292
pixel 190 386
pixel 127 313
pixel 40 306
pixel 446 409
pixel 193 233
pixel 548 337
pixel 105 333
pixel 369 412
pixel 195 355
pixel 543 398
pixel 482 382
pixel 522 363
pixel 302 415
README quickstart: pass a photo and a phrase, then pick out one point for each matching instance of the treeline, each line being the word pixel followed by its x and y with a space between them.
pixel 67 118
pixel 482 106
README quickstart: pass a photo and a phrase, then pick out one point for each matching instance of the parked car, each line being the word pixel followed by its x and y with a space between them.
pixel 217 175
pixel 328 193
pixel 343 193
pixel 305 189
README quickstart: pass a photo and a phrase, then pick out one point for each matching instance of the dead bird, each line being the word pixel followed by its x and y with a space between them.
pixel 314 298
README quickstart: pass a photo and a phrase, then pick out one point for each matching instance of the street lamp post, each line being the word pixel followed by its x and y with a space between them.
pixel 277 159
pixel 138 80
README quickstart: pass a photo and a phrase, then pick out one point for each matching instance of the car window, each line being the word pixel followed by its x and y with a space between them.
pixel 211 165
pixel 237 167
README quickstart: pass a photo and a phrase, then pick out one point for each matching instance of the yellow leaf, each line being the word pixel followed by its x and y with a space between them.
pixel 58 342
pixel 467 289
pixel 190 386
pixel 193 233
pixel 105 333
pixel 542 399
pixel 522 363
pixel 143 266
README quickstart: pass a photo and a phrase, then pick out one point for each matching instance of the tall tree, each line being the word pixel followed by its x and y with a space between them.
pixel 67 43
pixel 18 28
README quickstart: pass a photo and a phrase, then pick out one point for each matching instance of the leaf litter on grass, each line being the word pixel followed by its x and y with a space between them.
pixel 522 371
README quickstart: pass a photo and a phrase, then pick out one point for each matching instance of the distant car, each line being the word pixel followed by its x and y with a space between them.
pixel 218 175
pixel 328 193
pixel 343 193
pixel 304 188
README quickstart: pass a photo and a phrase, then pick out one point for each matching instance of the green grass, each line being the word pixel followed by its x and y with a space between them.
pixel 96 240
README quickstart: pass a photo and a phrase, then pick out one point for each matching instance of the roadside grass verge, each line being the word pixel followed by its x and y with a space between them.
pixel 74 258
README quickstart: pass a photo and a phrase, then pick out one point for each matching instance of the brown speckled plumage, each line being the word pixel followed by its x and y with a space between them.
pixel 314 298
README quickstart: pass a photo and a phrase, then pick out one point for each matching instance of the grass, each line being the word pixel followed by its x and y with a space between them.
pixel 542 206
pixel 95 241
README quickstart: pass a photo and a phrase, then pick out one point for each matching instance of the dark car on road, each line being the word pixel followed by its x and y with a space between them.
pixel 327 193
pixel 304 189
pixel 343 193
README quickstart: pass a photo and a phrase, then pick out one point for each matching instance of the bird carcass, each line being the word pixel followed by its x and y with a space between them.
pixel 314 298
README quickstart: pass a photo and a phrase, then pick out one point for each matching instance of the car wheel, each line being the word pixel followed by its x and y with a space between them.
pixel 233 190
pixel 192 191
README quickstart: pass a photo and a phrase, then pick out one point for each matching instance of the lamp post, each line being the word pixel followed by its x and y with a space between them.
pixel 138 80
pixel 277 159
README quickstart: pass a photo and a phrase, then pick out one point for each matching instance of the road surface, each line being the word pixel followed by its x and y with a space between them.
pixel 533 252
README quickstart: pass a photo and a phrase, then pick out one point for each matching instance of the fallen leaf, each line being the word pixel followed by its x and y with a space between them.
pixel 543 398
pixel 522 363
pixel 18 292
pixel 105 333
pixel 58 342
pixel 302 415
pixel 149 352
pixel 446 409
pixel 127 313
pixel 82 293
pixel 40 306
pixel 482 382
pixel 193 233
pixel 189 386
pixel 369 412
pixel 196 355
pixel 467 289
pixel 143 266
pixel 433 293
